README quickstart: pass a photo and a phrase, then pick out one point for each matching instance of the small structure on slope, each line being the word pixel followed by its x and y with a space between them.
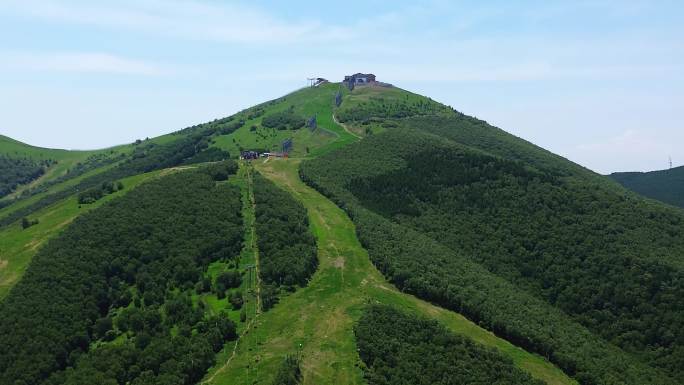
pixel 249 155
pixel 312 123
pixel 315 82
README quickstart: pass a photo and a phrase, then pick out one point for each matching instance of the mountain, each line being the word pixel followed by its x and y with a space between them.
pixel 664 185
pixel 399 241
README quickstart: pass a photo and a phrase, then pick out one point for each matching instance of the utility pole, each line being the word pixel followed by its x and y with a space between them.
pixel 670 162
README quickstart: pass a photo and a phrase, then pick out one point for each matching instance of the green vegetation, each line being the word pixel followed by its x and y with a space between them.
pixel 145 158
pixel 286 247
pixel 93 162
pixel 283 120
pixel 447 211
pixel 20 245
pixel 125 273
pixel 63 165
pixel 96 193
pixel 664 185
pixel 17 171
pixel 307 102
pixel 78 170
pixel 317 320
pixel 399 348
pixel 220 171
pixel 26 223
pixel 212 154
pixel 289 372
pixel 550 262
pixel 372 109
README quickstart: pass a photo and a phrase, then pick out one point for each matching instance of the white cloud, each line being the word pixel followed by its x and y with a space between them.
pixel 227 22
pixel 83 62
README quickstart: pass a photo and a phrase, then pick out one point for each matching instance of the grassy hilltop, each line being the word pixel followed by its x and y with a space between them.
pixel 401 242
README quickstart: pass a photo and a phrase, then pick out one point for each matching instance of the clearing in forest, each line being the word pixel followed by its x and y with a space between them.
pixel 317 321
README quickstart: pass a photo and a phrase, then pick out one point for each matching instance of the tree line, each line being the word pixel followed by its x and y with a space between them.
pixel 287 249
pixel 96 193
pixel 398 348
pixel 109 299
pixel 586 250
pixel 146 157
pixel 409 195
pixel 18 171
pixel 283 120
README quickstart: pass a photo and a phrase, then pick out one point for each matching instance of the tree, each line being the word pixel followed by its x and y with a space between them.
pixel 236 299
pixel 289 372
pixel 26 223
pixel 102 326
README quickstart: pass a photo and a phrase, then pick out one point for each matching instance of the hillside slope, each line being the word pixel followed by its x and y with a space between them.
pixel 573 240
pixel 664 185
pixel 537 266
pixel 57 165
pixel 317 321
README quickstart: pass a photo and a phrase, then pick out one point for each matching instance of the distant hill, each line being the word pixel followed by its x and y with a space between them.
pixel 664 185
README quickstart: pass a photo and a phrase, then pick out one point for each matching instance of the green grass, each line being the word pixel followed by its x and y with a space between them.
pixel 18 246
pixel 321 315
pixel 307 101
pixel 365 97
pixel 66 159
pixel 57 187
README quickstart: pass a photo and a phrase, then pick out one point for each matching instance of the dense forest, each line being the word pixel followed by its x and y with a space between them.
pixel 438 201
pixel 401 349
pixel 286 246
pixel 594 254
pixel 664 185
pixel 110 299
pixel 145 157
pixel 18 171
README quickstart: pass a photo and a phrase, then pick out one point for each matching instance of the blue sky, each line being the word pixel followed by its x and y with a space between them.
pixel 600 82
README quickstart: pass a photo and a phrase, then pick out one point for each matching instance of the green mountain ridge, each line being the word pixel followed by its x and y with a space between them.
pixel 422 216
pixel 663 185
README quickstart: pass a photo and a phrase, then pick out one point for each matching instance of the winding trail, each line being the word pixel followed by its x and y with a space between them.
pixel 320 317
pixel 343 125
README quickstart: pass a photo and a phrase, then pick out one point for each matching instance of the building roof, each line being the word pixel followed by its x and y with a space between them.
pixel 358 75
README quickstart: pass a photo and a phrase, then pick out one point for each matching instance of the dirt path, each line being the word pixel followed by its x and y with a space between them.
pixel 320 317
pixel 345 127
